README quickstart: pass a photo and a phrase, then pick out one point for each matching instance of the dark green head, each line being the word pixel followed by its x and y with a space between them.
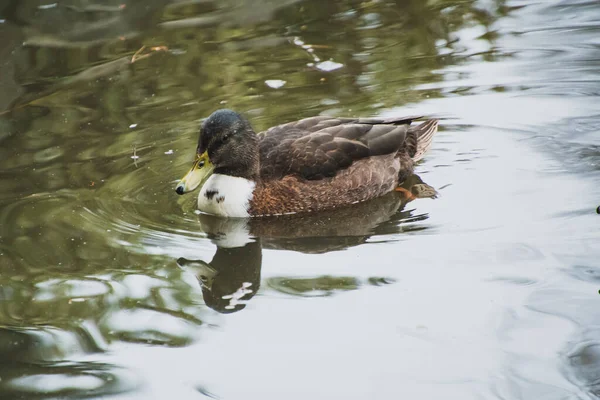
pixel 227 145
pixel 231 144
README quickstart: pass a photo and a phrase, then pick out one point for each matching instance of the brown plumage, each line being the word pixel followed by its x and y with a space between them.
pixel 321 162
pixel 314 164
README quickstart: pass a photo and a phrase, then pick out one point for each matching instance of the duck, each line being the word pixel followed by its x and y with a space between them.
pixel 310 165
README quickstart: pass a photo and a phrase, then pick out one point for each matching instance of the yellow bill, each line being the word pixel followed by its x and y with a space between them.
pixel 201 170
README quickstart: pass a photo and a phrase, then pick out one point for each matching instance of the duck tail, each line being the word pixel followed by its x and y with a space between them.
pixel 419 138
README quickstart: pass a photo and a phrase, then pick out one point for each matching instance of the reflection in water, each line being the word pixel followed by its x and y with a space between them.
pixel 64 380
pixel 232 277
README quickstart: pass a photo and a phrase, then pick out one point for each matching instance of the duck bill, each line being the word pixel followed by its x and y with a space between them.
pixel 197 175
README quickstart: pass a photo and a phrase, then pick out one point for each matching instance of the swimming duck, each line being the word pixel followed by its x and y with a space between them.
pixel 313 164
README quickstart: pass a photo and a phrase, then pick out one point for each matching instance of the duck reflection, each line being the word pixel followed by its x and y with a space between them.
pixel 232 277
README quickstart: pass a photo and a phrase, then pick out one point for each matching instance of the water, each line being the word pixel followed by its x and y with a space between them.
pixel 112 286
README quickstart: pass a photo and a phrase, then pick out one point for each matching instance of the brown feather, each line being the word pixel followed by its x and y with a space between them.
pixel 364 179
pixel 322 163
pixel 319 147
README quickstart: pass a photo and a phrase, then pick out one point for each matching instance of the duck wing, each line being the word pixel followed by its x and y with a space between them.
pixel 319 147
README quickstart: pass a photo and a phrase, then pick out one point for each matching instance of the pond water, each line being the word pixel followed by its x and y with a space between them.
pixel 113 287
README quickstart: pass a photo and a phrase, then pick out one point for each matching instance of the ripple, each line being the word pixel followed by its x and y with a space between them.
pixel 129 224
pixel 156 327
pixel 56 383
pixel 322 286
pixel 313 287
pixel 586 273
pixel 65 380
pixel 519 252
pixel 515 280
pixel 72 288
pixel 53 302
pixel 585 361
pixel 47 155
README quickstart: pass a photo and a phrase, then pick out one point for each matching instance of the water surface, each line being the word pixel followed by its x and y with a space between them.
pixel 113 287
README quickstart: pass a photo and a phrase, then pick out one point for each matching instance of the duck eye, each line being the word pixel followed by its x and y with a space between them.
pixel 201 163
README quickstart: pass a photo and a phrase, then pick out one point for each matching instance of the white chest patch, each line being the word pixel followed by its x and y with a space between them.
pixel 227 196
